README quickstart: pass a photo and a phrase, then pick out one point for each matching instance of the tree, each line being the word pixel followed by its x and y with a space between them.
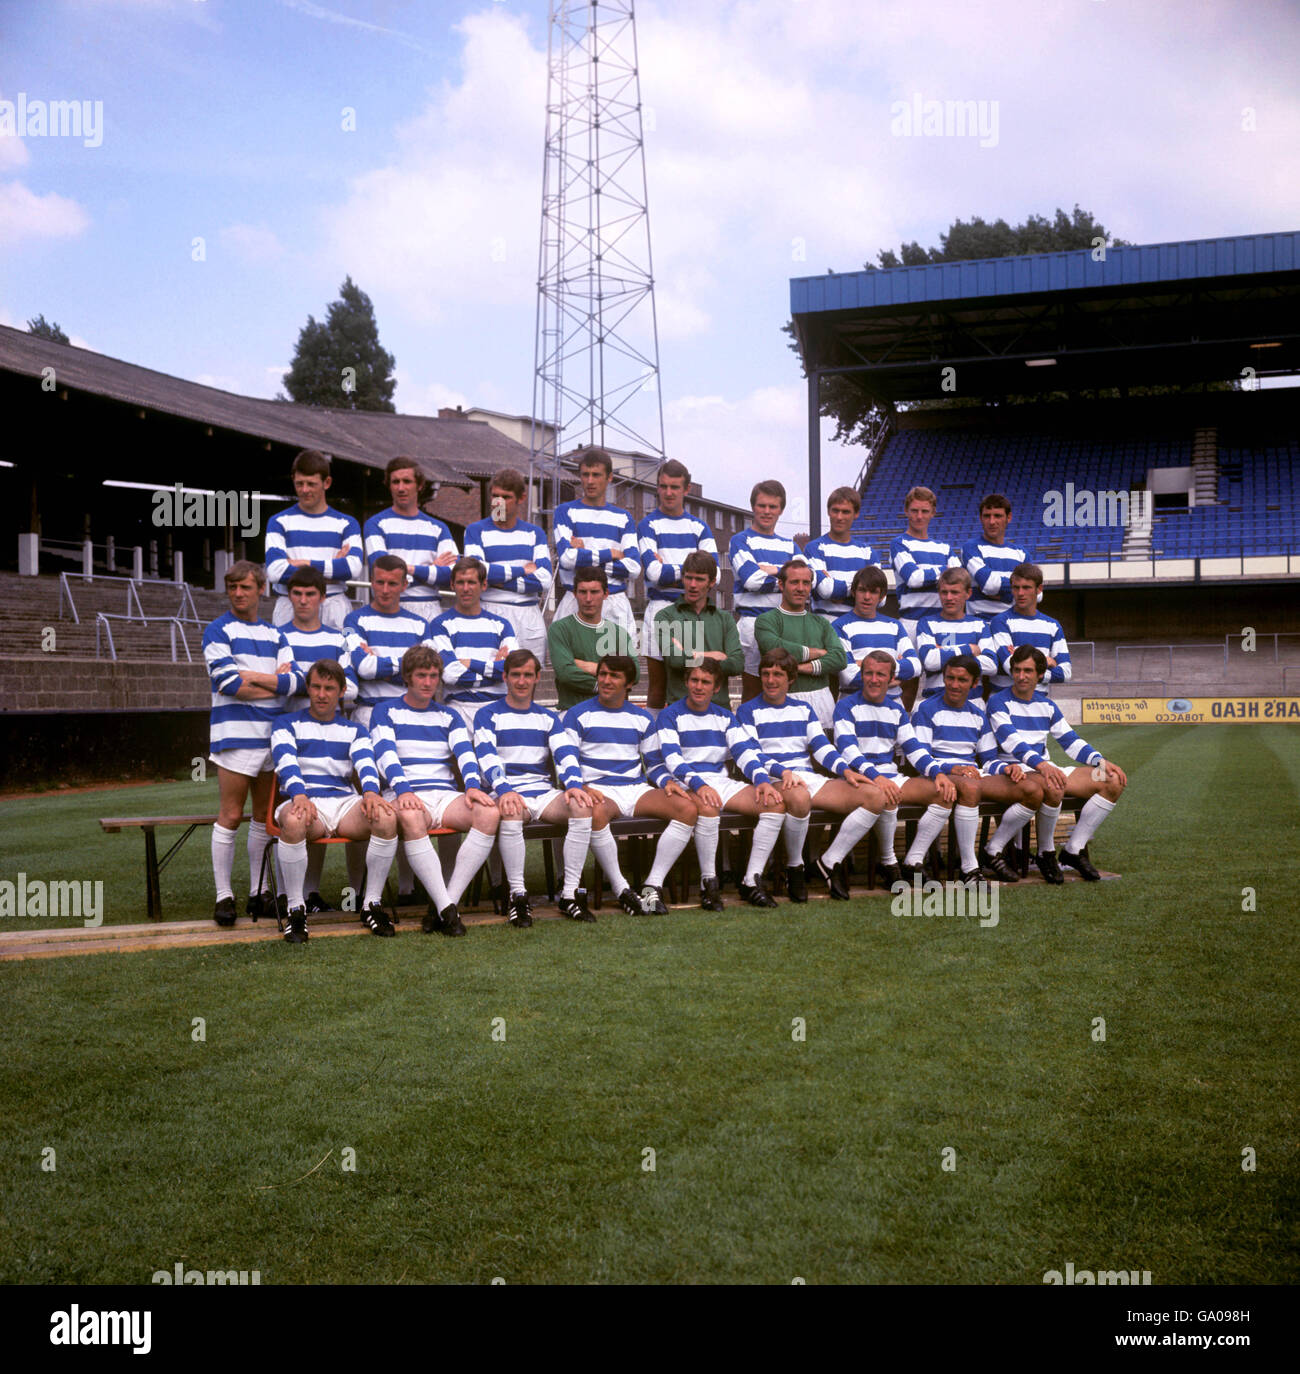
pixel 340 363
pixel 844 401
pixel 44 330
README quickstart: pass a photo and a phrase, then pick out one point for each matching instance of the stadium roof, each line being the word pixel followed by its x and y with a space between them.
pixel 1201 310
pixel 454 452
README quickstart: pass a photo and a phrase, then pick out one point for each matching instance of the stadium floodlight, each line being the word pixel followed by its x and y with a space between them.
pixel 185 491
pixel 1040 362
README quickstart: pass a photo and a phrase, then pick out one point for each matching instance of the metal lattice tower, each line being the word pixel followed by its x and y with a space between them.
pixel 596 362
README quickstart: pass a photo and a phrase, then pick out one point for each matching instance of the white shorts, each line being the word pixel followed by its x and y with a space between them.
pixel 649 640
pixel 723 785
pixel 814 782
pixel 625 798
pixel 361 715
pixel 427 608
pixel 745 626
pixel 528 623
pixel 617 608
pixel 331 810
pixel 823 706
pixel 534 806
pixel 248 762
pixel 437 801
pixel 334 611
pixel 467 710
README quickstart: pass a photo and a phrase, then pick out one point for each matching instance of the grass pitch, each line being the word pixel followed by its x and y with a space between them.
pixel 629 1102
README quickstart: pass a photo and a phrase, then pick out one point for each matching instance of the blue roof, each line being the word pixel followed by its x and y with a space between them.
pixel 1142 265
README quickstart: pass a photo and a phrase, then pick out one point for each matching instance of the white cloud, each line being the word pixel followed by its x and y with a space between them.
pixel 26 215
pixel 252 243
pixel 13 153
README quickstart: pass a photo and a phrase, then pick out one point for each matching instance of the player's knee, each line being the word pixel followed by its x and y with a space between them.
pixel 486 819
pixel 872 800
pixel 384 827
pixel 1112 789
pixel 684 810
pixel 706 811
pixel 798 806
pixel 412 824
pixel 1052 795
pixel 968 791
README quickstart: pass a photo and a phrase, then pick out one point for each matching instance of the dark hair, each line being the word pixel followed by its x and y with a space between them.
pixel 307 577
pixel 1028 572
pixel 236 572
pixel 672 468
pixel 596 458
pixel 844 494
pixel 966 662
pixel 995 501
pixel 399 464
pixel 508 479
pixel 330 668
pixel 310 463
pixel 869 579
pixel 469 565
pixel 619 663
pixel 780 658
pixel 715 668
pixel 1024 651
pixel 769 488
pixel 521 658
pixel 591 575
pixel 420 656
pixel 389 562
pixel 700 562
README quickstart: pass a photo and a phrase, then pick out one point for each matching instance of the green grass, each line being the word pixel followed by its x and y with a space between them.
pixel 774 1158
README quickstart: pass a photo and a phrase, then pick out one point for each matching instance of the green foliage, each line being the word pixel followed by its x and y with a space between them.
pixel 44 329
pixel 348 339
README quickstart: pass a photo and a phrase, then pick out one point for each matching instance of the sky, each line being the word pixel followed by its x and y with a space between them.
pixel 773 150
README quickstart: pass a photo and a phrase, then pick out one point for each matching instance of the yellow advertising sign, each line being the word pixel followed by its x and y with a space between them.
pixel 1189 710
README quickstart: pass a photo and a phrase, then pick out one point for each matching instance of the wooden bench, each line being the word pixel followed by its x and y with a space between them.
pixel 112 825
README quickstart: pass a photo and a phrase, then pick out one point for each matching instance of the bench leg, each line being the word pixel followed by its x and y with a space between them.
pixel 152 889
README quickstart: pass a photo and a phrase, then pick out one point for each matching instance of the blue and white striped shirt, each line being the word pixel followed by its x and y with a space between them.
pixel 230 644
pixel 315 758
pixel 673 536
pixel 917 565
pixel 1021 729
pixel 292 533
pixel 867 734
pixel 861 637
pixel 522 750
pixel 1007 632
pixel 601 529
pixel 753 590
pixel 835 565
pixel 417 540
pixel 696 745
pixel 479 638
pixel 388 637
pixel 415 749
pixel 504 553
pixel 312 646
pixel 790 736
pixel 990 567
pixel 948 736
pixel 613 746
pixel 938 640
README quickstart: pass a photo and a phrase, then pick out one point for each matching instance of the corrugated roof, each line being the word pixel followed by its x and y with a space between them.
pixel 452 451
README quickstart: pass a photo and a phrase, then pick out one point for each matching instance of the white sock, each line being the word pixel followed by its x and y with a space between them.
pixel 425 866
pixel 886 828
pixel 223 859
pixel 1095 810
pixel 257 842
pixel 405 871
pixel 473 855
pixel 576 844
pixel 796 831
pixel 1012 823
pixel 379 859
pixel 510 837
pixel 706 846
pixel 928 829
pixel 605 847
pixel 765 836
pixel 1046 828
pixel 315 863
pixel 293 864
pixel 671 843
pixel 852 828
pixel 968 828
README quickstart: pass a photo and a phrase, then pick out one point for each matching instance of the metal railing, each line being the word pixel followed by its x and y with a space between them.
pixel 104 631
pixel 1256 635
pixel 133 585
